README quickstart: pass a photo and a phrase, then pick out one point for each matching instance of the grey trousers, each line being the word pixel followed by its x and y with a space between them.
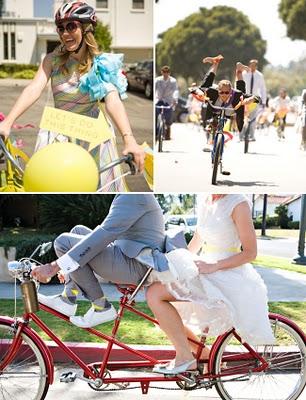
pixel 111 264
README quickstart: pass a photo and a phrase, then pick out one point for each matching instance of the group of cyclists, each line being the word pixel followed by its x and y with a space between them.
pixel 257 111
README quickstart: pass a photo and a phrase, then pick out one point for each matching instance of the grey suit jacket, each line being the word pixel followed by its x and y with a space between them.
pixel 134 222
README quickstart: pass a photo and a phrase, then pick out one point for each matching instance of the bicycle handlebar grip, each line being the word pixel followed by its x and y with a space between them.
pixel 129 158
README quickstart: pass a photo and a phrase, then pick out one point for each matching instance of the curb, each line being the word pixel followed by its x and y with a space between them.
pixel 92 352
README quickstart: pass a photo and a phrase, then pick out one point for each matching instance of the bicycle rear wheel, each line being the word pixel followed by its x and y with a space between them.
pixel 246 139
pixel 284 378
pixel 217 159
pixel 25 377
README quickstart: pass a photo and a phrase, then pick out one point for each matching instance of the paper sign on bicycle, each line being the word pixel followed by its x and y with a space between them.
pixel 92 130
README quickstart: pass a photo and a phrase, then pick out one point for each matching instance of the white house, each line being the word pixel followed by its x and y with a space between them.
pixel 25 39
pixel 273 201
pixel 294 207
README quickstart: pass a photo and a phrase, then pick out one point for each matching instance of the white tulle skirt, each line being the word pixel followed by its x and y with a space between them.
pixel 217 302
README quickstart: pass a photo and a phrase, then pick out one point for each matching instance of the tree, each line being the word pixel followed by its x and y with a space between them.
pixel 59 213
pixel 293 12
pixel 283 219
pixel 103 37
pixel 209 32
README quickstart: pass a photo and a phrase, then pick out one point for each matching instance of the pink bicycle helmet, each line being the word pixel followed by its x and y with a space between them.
pixel 76 11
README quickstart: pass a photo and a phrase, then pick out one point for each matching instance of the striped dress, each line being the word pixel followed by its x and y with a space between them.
pixel 67 96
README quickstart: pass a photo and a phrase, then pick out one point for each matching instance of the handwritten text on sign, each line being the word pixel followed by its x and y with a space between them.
pixel 92 130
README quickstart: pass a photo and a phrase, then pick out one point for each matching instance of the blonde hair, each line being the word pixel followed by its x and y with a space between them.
pixel 224 82
pixel 92 50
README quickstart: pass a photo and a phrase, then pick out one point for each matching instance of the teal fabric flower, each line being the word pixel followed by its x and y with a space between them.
pixel 105 73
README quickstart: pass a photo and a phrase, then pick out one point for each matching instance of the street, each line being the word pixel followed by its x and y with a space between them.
pixel 270 166
pixel 79 390
pixel 139 110
pixel 278 247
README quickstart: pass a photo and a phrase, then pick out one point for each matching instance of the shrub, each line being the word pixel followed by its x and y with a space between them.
pixel 294 224
pixel 10 69
pixel 61 213
pixel 3 74
pixel 25 244
pixel 25 74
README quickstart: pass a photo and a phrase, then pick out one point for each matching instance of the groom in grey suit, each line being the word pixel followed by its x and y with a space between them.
pixel 134 222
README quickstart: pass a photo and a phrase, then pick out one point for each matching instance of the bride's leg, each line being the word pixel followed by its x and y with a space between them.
pixel 194 347
pixel 159 299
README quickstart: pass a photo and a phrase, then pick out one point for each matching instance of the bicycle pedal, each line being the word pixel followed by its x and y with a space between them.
pixel 68 377
pixel 225 173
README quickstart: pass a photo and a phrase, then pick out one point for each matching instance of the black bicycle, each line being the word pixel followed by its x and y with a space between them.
pixel 219 139
pixel 161 126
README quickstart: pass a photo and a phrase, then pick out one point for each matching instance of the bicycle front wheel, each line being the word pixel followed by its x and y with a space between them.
pixel 217 159
pixel 284 378
pixel 160 132
pixel 25 377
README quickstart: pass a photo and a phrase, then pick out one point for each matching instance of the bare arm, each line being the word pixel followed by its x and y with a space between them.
pixel 195 243
pixel 29 95
pixel 116 110
pixel 244 224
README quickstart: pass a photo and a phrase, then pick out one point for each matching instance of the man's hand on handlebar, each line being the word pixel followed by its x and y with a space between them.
pixel 44 273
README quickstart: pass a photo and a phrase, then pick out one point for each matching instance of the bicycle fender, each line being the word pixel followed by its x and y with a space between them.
pixel 40 344
pixel 287 321
pixel 214 349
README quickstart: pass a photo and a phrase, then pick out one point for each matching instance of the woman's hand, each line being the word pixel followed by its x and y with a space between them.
pixel 205 268
pixel 44 273
pixel 5 129
pixel 131 146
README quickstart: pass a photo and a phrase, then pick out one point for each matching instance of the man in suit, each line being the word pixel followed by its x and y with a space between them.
pixel 134 222
pixel 255 84
pixel 224 94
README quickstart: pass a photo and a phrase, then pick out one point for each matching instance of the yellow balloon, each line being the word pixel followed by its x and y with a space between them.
pixel 61 167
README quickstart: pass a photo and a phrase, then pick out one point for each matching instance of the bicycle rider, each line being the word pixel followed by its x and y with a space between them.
pixel 166 92
pixel 224 95
pixel 281 106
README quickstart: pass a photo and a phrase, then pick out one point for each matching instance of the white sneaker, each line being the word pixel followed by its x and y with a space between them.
pixel 57 304
pixel 93 318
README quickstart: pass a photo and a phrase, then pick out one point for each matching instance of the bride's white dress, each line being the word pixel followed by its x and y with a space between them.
pixel 235 297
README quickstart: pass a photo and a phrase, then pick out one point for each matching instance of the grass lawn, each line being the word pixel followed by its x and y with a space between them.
pixel 279 233
pixel 279 262
pixel 134 329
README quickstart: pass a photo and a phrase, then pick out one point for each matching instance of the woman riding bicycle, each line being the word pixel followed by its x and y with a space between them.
pixel 81 76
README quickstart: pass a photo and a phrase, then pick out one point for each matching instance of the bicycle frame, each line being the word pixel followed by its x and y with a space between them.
pixel 219 131
pixel 97 370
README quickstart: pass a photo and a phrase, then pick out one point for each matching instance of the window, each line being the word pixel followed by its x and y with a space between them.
pixel 101 3
pixel 13 46
pixel 5 46
pixel 9 41
pixel 138 4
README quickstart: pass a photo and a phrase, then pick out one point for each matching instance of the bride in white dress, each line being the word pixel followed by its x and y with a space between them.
pixel 226 293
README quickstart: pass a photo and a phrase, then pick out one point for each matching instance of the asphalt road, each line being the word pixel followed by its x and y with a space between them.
pixel 269 167
pixel 139 109
pixel 278 247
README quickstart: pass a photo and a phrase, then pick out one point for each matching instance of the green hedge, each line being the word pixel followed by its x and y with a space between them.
pixel 26 243
pixel 25 74
pixel 10 69
pixel 3 74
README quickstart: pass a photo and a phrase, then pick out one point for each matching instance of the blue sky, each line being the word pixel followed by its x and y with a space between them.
pixel 43 8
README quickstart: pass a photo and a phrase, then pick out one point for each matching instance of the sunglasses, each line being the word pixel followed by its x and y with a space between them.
pixel 70 27
pixel 224 92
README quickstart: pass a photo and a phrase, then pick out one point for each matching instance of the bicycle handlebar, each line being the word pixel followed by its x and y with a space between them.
pixel 223 108
pixel 164 107
pixel 9 156
pixel 128 159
